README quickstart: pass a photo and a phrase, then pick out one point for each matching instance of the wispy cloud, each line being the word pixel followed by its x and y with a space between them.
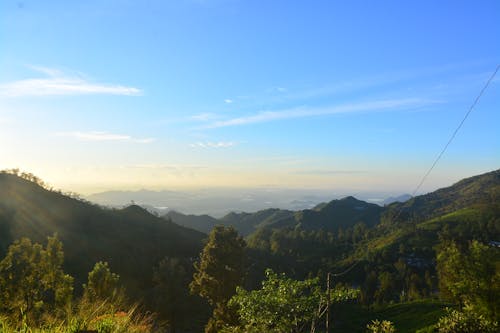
pixel 301 112
pixel 220 144
pixel 329 172
pixel 175 168
pixel 206 116
pixel 228 101
pixel 103 136
pixel 277 90
pixel 58 83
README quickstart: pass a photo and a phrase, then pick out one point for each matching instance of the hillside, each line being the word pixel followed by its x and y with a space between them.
pixel 130 239
pixel 244 223
pixel 469 209
pixel 331 216
pixel 203 223
pixel 481 189
pixel 342 213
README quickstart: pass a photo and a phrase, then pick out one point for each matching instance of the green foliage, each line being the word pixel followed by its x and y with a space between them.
pixel 384 326
pixel 172 300
pixel 220 268
pixel 103 284
pixel 32 280
pixel 219 271
pixel 283 304
pixel 408 317
pixel 466 321
pixel 471 276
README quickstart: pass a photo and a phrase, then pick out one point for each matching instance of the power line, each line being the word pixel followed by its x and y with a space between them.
pixel 417 188
pixel 473 105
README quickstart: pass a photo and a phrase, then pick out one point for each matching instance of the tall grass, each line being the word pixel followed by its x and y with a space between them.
pixel 102 316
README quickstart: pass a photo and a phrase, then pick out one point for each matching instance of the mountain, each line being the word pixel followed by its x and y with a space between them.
pixel 399 198
pixel 469 209
pixel 216 202
pixel 203 223
pixel 482 189
pixel 131 239
pixel 244 223
pixel 342 213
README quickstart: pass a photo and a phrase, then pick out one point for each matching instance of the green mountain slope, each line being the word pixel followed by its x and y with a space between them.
pixel 329 216
pixel 203 223
pixel 244 223
pixel 130 239
pixel 482 189
pixel 469 209
pixel 342 213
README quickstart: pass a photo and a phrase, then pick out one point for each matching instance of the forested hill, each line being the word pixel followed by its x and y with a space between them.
pixel 345 213
pixel 132 240
pixel 331 216
pixel 244 223
pixel 470 192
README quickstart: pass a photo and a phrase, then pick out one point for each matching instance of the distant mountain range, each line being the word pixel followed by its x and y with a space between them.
pixel 335 214
pixel 348 211
pixel 218 202
pixel 400 198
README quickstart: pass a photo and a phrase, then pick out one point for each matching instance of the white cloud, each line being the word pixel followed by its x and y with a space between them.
pixel 204 116
pixel 103 136
pixel 277 90
pixel 58 83
pixel 220 144
pixel 228 101
pixel 302 112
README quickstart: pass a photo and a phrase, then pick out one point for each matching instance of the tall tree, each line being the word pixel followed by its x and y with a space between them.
pixel 32 280
pixel 103 285
pixel 218 272
pixel 471 276
pixel 172 299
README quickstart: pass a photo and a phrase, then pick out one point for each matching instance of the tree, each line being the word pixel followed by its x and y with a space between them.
pixel 471 276
pixel 102 285
pixel 32 280
pixel 387 288
pixel 465 321
pixel 172 298
pixel 283 305
pixel 384 326
pixel 218 273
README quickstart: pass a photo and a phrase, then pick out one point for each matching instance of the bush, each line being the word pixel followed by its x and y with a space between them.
pixel 384 326
pixel 466 321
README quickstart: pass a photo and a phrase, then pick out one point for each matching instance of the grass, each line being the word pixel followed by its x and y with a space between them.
pixel 466 214
pixel 407 317
pixel 100 316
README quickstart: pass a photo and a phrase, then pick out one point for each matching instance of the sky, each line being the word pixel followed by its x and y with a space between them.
pixel 345 95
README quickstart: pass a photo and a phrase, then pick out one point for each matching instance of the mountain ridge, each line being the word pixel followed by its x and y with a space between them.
pixel 91 233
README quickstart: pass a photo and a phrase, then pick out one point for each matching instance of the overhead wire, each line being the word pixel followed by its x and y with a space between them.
pixel 452 137
pixel 426 175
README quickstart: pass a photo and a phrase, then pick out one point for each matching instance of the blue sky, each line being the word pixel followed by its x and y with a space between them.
pixel 351 95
